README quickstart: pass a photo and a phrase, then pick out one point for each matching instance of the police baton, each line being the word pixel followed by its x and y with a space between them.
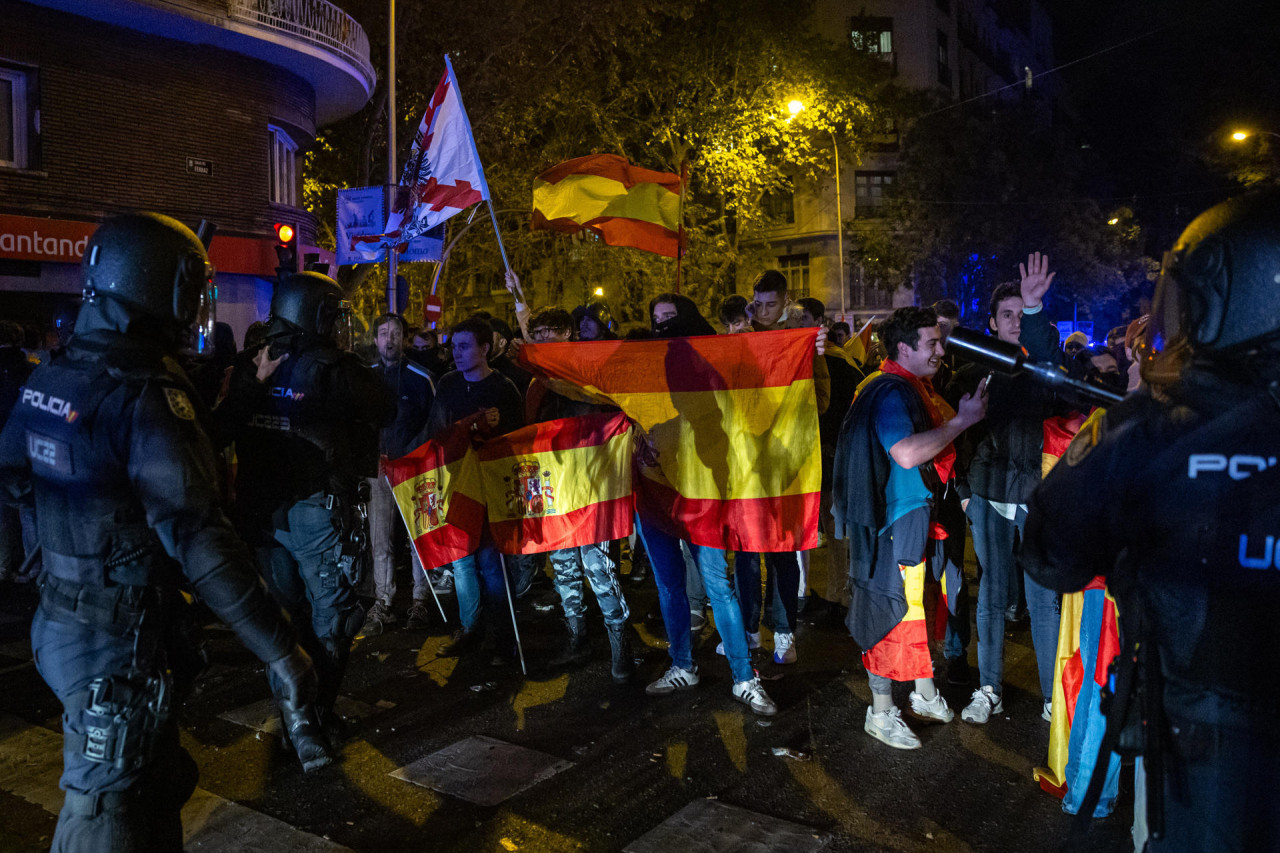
pixel 1012 360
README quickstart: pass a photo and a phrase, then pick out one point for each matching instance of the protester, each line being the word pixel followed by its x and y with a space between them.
pixel 894 459
pixel 591 562
pixel 672 316
pixel 414 392
pixel 482 400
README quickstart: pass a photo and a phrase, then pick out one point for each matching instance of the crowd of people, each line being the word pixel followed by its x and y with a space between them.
pixel 261 466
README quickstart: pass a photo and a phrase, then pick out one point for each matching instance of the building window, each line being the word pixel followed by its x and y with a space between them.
pixel 796 270
pixel 870 191
pixel 872 35
pixel 14 125
pixel 944 66
pixel 282 168
pixel 779 207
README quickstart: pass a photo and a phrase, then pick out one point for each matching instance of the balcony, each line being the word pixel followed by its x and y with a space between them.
pixel 315 21
pixel 314 39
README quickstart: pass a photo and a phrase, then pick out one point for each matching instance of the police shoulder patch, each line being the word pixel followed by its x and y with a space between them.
pixel 180 404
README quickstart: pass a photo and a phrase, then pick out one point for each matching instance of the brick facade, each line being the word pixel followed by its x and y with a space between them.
pixel 121 111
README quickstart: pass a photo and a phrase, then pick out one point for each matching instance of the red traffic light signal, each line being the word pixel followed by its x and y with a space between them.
pixel 286 249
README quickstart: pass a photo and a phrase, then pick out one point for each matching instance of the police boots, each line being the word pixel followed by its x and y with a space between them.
pixel 576 651
pixel 623 665
pixel 303 734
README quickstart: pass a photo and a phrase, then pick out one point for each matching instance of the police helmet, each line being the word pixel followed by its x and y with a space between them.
pixel 309 300
pixel 1219 294
pixel 150 263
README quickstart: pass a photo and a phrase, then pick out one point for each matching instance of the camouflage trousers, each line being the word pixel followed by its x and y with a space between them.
pixel 569 567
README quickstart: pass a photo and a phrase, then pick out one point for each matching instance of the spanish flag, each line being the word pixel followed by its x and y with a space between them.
pixel 559 484
pixel 731 456
pixel 437 489
pixel 603 193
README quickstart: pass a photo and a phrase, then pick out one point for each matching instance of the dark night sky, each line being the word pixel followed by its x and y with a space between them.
pixel 1151 109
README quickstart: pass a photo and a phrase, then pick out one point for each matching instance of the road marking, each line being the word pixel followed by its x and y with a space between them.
pixel 31 763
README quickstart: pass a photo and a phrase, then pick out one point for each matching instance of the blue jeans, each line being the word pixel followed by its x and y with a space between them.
pixel 482 569
pixel 669 573
pixel 781 596
pixel 995 539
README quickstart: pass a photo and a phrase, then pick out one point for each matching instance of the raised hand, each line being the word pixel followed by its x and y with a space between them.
pixel 265 364
pixel 1036 279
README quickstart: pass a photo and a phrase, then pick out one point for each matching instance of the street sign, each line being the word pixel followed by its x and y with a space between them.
pixel 432 309
pixel 199 166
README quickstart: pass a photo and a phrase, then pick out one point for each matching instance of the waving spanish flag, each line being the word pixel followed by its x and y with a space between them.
pixel 438 492
pixel 559 484
pixel 731 427
pixel 603 193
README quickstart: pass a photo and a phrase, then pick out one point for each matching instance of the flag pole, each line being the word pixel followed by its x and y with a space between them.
pixel 684 178
pixel 511 603
pixel 391 147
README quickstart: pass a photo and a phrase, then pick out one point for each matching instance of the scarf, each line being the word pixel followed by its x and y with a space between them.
pixel 939 413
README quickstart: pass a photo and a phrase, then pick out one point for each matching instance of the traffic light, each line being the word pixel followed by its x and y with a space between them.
pixel 286 249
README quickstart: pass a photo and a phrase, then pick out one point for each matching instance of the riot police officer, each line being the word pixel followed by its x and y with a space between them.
pixel 306 440
pixel 108 434
pixel 1176 503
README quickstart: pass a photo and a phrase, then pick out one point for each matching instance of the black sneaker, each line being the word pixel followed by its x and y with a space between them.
pixel 461 643
pixel 419 616
pixel 959 672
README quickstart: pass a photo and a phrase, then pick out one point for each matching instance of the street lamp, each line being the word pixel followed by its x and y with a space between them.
pixel 599 291
pixel 795 108
pixel 1242 135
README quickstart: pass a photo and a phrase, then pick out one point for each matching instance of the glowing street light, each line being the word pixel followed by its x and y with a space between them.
pixel 599 291
pixel 795 107
pixel 1242 135
pixel 1113 221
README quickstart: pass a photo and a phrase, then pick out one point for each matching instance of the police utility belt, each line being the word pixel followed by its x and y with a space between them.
pixel 88 591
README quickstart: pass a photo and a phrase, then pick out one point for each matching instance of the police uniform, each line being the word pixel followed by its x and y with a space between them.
pixel 304 440
pixel 1176 504
pixel 108 434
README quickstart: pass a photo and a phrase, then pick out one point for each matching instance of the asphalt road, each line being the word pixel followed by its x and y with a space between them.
pixel 635 760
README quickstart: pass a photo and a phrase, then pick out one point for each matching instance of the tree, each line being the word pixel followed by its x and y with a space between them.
pixel 656 81
pixel 979 189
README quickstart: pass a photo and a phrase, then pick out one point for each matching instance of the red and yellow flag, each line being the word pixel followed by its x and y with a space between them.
pixel 732 427
pixel 559 484
pixel 438 491
pixel 603 193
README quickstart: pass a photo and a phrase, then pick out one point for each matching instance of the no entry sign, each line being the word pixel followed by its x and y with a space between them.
pixel 432 309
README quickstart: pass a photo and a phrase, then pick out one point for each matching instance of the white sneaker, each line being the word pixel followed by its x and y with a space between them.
pixel 984 703
pixel 753 642
pixel 752 694
pixel 935 709
pixel 784 648
pixel 672 680
pixel 888 728
pixel 1047 713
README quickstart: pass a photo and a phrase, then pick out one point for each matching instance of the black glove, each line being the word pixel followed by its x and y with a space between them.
pixel 293 678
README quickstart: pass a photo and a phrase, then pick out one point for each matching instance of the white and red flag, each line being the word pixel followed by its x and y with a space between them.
pixel 442 176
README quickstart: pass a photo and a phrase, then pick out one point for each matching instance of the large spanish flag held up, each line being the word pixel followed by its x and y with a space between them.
pixel 733 422
pixel 603 193
pixel 438 492
pixel 559 484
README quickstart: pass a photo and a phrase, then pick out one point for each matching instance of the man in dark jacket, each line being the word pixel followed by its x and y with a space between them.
pixel 108 435
pixel 414 392
pixel 1004 468
pixel 486 399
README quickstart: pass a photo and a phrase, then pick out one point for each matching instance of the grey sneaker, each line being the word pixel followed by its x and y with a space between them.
pixel 985 702
pixel 889 728
pixel 936 709
pixel 750 693
pixel 376 620
pixel 674 679
pixel 442 581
